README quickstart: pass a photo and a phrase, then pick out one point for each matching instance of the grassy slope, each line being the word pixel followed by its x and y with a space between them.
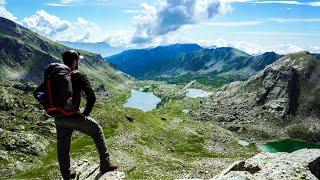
pixel 151 148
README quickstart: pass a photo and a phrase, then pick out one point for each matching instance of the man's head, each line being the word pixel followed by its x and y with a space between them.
pixel 71 58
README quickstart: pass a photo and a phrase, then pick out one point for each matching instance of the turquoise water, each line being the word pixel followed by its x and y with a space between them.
pixel 144 101
pixel 195 93
pixel 287 145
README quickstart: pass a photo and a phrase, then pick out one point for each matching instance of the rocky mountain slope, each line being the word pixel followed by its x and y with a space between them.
pixel 282 100
pixel 183 63
pixel 25 54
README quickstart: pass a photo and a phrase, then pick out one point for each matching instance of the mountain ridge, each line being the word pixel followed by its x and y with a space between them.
pixel 206 65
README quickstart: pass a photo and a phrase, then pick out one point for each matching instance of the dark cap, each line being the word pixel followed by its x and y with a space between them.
pixel 70 55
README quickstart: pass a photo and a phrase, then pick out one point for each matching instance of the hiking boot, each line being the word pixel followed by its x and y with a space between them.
pixel 108 168
pixel 73 174
pixel 70 174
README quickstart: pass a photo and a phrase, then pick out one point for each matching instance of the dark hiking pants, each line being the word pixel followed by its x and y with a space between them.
pixel 86 125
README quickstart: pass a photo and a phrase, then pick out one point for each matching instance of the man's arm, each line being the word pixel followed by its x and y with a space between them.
pixel 91 97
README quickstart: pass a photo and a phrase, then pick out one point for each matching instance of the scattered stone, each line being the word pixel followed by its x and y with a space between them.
pixel 3 155
pixel 176 121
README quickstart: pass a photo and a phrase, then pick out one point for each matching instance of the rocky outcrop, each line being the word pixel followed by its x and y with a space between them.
pixel 302 164
pixel 281 90
pixel 90 171
pixel 283 94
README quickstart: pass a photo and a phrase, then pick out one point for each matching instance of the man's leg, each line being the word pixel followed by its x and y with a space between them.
pixel 90 127
pixel 63 149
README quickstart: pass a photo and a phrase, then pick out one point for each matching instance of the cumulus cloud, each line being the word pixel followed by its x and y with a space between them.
pixel 2 2
pixel 5 13
pixel 58 29
pixel 314 49
pixel 173 14
pixel 46 24
pixel 81 30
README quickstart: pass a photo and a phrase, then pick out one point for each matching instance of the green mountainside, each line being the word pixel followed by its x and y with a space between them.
pixel 215 66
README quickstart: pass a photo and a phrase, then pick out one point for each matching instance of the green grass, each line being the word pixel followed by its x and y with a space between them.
pixel 149 148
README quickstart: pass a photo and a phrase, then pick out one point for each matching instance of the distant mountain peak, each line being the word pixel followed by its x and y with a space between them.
pixel 102 48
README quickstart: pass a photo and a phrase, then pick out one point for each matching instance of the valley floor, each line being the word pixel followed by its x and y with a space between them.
pixel 161 144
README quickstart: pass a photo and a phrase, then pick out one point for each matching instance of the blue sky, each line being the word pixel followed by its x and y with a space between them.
pixel 254 26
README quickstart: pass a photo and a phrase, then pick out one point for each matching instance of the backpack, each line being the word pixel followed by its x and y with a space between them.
pixel 57 96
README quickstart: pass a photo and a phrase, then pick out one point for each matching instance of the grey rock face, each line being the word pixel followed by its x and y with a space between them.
pixel 302 164
pixel 281 90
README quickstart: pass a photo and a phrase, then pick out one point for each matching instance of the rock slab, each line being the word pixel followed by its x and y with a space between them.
pixel 301 164
pixel 90 171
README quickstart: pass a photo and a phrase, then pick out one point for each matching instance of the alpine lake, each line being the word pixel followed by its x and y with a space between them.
pixel 147 101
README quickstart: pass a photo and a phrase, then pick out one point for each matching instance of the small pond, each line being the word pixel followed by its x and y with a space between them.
pixel 144 101
pixel 195 93
pixel 287 145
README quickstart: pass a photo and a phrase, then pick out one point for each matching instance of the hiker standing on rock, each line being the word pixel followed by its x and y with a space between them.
pixel 60 94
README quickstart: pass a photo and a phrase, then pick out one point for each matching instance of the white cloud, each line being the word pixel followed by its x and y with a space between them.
pixel 315 3
pixel 58 29
pixel 314 49
pixel 62 3
pixel 57 4
pixel 235 23
pixel 258 49
pixel 2 2
pixel 81 30
pixel 171 15
pixel 132 11
pixel 76 3
pixel 6 14
pixel 286 20
pixel 120 38
pixel 46 24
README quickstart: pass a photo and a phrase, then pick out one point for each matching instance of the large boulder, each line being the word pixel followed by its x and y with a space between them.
pixel 302 164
